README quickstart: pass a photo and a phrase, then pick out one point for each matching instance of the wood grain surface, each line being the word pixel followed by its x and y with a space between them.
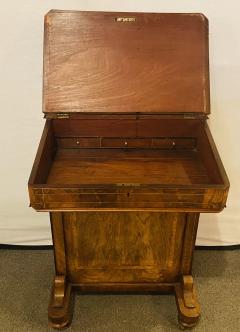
pixel 101 172
pixel 123 247
pixel 154 63
pixel 126 162
pixel 117 166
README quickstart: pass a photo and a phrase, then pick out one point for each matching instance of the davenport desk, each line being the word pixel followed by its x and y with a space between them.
pixel 126 162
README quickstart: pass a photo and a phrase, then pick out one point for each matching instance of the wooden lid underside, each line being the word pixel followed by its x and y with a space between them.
pixel 125 62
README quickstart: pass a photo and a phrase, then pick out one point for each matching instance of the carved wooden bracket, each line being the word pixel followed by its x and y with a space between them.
pixel 187 281
pixel 187 303
pixel 60 305
pixel 59 289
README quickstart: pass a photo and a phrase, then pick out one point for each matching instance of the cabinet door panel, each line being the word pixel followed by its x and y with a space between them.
pixel 123 246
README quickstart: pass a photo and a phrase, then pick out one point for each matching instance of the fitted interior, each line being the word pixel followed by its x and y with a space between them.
pixel 110 166
pixel 122 153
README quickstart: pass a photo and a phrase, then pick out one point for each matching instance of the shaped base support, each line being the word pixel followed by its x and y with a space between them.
pixel 61 302
pixel 60 308
pixel 187 303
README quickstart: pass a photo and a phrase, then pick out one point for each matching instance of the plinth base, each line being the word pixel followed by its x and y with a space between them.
pixel 61 309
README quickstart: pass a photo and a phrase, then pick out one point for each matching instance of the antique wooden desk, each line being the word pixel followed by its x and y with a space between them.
pixel 126 162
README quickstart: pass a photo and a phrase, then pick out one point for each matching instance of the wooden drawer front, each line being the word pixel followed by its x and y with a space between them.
pixel 176 143
pixel 86 142
pixel 125 143
pixel 128 198
pixel 97 142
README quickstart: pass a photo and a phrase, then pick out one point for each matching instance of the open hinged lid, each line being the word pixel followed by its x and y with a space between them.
pixel 125 62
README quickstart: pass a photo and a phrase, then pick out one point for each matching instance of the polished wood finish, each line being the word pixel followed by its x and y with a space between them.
pixel 124 246
pixel 121 251
pixel 127 143
pixel 187 303
pixel 60 305
pixel 155 175
pixel 116 167
pixel 155 63
pixel 126 161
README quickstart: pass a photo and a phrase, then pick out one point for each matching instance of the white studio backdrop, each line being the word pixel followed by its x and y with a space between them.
pixel 21 35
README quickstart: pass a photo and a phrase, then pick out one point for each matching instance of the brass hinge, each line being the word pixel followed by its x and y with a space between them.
pixel 189 116
pixel 194 116
pixel 62 116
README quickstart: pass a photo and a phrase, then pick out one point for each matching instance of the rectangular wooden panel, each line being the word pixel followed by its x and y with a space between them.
pixel 131 126
pixel 174 143
pixel 126 143
pixel 147 63
pixel 114 167
pixel 78 142
pixel 129 198
pixel 114 127
pixel 123 247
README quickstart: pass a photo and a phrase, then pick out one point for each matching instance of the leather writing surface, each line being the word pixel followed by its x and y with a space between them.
pixel 125 62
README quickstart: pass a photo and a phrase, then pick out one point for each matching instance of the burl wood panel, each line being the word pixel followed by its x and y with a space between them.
pixel 94 62
pixel 123 247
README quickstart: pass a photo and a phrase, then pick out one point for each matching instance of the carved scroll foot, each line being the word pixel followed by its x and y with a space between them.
pixel 60 306
pixel 187 303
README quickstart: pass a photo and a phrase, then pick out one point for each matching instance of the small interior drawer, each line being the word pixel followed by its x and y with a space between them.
pixel 114 142
pixel 75 142
pixel 125 143
pixel 167 143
